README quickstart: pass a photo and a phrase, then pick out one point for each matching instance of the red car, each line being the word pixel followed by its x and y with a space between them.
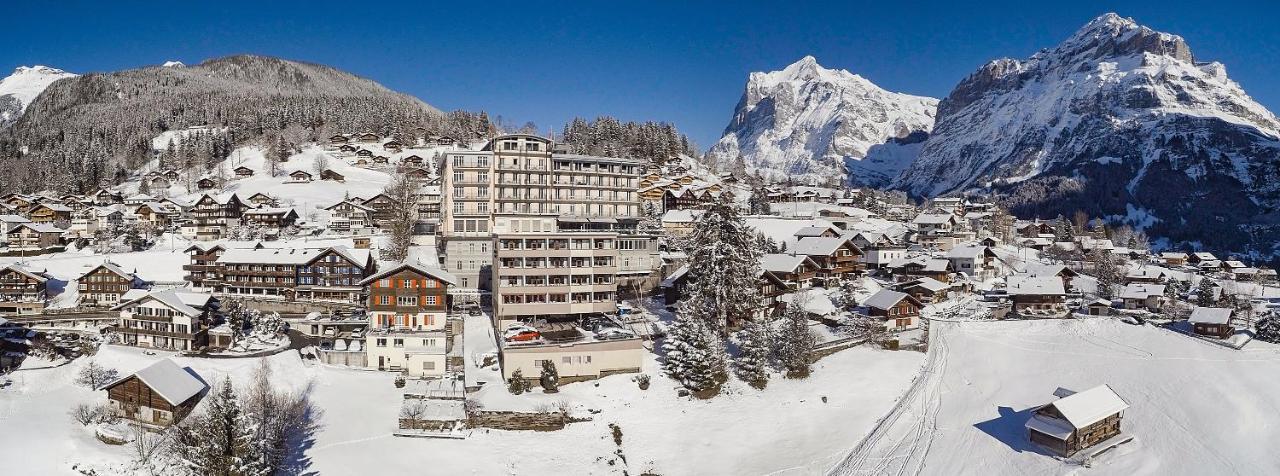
pixel 522 336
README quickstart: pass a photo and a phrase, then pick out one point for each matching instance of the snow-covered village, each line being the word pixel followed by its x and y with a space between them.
pixel 249 265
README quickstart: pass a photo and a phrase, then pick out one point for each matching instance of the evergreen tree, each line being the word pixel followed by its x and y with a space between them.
pixel 550 378
pixel 219 442
pixel 1204 293
pixel 695 355
pixel 1268 329
pixel 1106 271
pixel 758 202
pixel 755 346
pixel 724 264
pixel 650 220
pixel 1062 231
pixel 795 340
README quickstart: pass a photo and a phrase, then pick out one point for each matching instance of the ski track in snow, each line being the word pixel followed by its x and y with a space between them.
pixel 911 423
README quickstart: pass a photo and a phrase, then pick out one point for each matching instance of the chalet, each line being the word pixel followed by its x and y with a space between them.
pixel 878 249
pixel 50 213
pixel 18 202
pixel 1059 271
pixel 1173 258
pixel 836 257
pixel 262 200
pixel 768 284
pixel 330 174
pixel 1143 296
pixel 105 197
pixel 1035 229
pixel 798 270
pixel 934 224
pixel 211 216
pixel 23 290
pixel 816 232
pixel 202 272
pixel 445 141
pixel 138 199
pixel 368 137
pixel 679 222
pixel 243 172
pixel 1037 296
pixel 1212 321
pixel 378 159
pixel 206 183
pixel 159 396
pixel 974 261
pixel 104 285
pixel 409 296
pixel 171 319
pixel 1200 257
pixel 339 139
pixel 156 214
pixel 309 274
pixel 269 217
pixel 384 209
pixel 925 290
pixel 1145 275
pixel 33 238
pixel 412 160
pixel 897 310
pixel 922 266
pixel 347 215
pixel 1077 421
pixel 348 148
pixel 366 153
pixel 392 146
pixel 300 176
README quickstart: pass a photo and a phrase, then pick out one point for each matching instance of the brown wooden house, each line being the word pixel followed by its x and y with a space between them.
pixel 896 309
pixel 409 296
pixel 158 396
pixel 1077 421
pixel 50 213
pixel 243 172
pixel 206 183
pixel 22 290
pixel 330 174
pixel 384 208
pixel 836 257
pixel 103 285
pixel 1212 322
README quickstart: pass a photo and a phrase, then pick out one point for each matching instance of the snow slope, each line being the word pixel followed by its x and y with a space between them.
pixel 20 88
pixel 785 429
pixel 1196 408
pixel 809 122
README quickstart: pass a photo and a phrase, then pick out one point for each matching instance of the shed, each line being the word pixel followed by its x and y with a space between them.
pixel 1077 420
pixel 1212 321
pixel 159 395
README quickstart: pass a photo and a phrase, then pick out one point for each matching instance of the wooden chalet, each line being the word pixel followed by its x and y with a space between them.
pixel 384 208
pixel 1077 421
pixel 262 200
pixel 300 176
pixel 330 174
pixel 33 238
pixel 413 160
pixel 202 271
pixel 366 153
pixel 797 270
pixel 1212 321
pixel 836 257
pixel 347 215
pixel 243 172
pixel 271 217
pixel 339 139
pixel 348 148
pixel 1037 296
pixel 159 396
pixel 50 213
pixel 23 291
pixel 368 137
pixel 897 310
pixel 104 285
pixel 206 183
pixel 392 146
pixel 925 290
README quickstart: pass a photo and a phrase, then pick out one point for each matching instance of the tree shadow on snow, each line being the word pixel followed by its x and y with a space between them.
pixel 302 437
pixel 1010 428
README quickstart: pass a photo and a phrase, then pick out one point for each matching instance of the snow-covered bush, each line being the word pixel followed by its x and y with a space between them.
pixel 1269 329
pixel 550 378
pixel 95 376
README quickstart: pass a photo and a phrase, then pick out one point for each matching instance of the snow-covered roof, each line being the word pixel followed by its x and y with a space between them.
pixel 928 283
pixel 884 299
pixel 1204 255
pixel 1210 315
pixel 781 263
pixel 1050 426
pixel 13 219
pixel 818 246
pixel 37 227
pixel 1028 285
pixel 1090 406
pixel 681 216
pixel 1234 264
pixel 25 271
pixel 967 252
pixel 173 383
pixel 813 231
pixel 293 256
pixel 186 303
pixel 1173 255
pixel 675 276
pixel 1141 291
pixel 418 268
pixel 937 265
pixel 934 218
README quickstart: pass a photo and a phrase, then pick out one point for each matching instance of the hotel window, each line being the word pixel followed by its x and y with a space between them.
pixel 398 343
pixel 431 300
pixel 482 162
pixel 429 365
pixel 382 342
pixel 458 177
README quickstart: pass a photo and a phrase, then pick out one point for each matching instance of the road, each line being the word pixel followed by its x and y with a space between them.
pixel 900 441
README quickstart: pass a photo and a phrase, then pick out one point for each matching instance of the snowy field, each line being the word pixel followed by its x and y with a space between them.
pixel 1196 408
pixel 786 429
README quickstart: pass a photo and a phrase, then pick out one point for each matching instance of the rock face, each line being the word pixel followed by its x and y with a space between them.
pixel 811 123
pixel 1118 121
pixel 20 88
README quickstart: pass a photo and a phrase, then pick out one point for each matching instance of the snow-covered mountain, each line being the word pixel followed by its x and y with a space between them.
pixel 1120 121
pixel 20 88
pixel 811 123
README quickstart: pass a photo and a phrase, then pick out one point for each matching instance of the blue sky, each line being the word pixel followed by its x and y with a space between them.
pixel 683 62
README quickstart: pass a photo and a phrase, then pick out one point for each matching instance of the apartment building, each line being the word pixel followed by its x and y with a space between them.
pixel 168 319
pixel 104 285
pixel 554 276
pixel 309 274
pixel 22 290
pixel 521 174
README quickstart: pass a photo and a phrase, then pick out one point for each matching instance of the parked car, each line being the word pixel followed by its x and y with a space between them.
pixel 613 333
pixel 522 336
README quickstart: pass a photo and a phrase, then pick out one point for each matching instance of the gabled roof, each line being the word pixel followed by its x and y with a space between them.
pixel 814 231
pixel 930 284
pixel 821 246
pixel 937 265
pixel 1090 406
pixel 934 218
pixel 112 267
pixel 353 204
pixel 1210 315
pixel 37 227
pixel 417 268
pixel 187 303
pixel 969 252
pixel 1141 291
pixel 1028 285
pixel 885 299
pixel 173 383
pixel 783 263
pixel 1173 255
pixel 25 271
